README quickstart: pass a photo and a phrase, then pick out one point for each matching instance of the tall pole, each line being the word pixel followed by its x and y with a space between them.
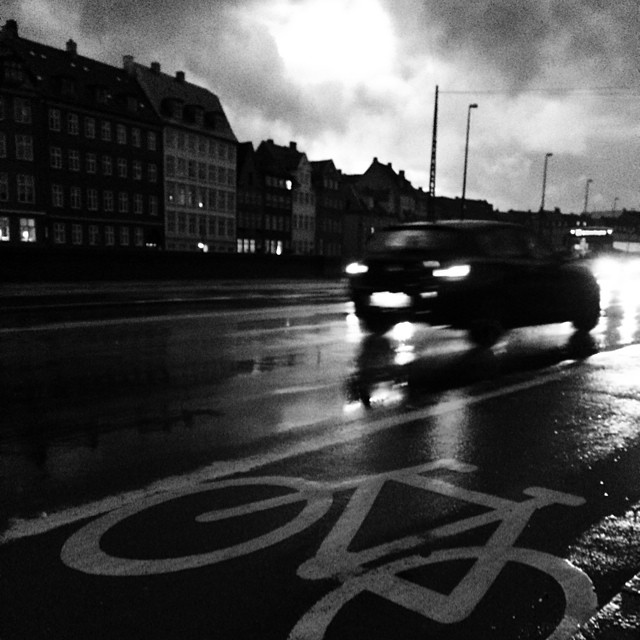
pixel 544 179
pixel 586 194
pixel 432 174
pixel 466 158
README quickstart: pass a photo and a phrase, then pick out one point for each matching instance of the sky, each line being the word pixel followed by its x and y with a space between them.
pixel 350 80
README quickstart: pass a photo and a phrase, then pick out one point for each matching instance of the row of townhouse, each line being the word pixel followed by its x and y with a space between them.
pixel 132 158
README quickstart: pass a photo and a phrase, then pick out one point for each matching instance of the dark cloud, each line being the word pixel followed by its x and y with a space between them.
pixel 522 42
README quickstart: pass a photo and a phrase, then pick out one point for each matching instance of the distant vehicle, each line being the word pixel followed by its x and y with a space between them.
pixel 482 276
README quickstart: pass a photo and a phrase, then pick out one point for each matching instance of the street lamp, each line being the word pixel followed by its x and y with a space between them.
pixel 466 157
pixel 544 179
pixel 586 194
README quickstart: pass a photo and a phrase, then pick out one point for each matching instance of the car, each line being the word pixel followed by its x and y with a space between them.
pixel 483 276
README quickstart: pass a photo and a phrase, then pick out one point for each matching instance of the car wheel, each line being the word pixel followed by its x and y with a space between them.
pixel 376 322
pixel 588 316
pixel 487 327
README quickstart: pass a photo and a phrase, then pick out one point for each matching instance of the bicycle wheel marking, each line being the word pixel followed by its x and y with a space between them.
pixel 82 550
pixel 333 559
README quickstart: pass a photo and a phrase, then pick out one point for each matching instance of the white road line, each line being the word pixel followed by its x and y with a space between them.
pixel 349 431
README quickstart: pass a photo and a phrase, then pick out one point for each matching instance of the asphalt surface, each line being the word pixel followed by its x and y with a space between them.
pixel 22 303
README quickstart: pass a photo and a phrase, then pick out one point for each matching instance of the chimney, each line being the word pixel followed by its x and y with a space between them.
pixel 72 47
pixel 375 159
pixel 127 64
pixel 293 146
pixel 155 67
pixel 10 29
pixel 401 172
pixel 389 165
pixel 180 76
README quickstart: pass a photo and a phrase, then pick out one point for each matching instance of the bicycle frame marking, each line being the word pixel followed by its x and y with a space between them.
pixel 333 559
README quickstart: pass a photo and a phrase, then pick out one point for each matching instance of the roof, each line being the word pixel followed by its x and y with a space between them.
pixel 161 88
pixel 65 76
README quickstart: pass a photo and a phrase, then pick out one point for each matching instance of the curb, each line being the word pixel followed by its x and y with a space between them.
pixel 619 619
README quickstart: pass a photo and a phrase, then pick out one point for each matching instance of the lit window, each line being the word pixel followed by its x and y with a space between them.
pixel 5 232
pixel 27 230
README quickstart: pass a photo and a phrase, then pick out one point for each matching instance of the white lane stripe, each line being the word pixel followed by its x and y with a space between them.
pixel 349 431
pixel 243 315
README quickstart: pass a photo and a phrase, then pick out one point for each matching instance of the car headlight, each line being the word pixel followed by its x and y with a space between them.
pixel 355 268
pixel 454 271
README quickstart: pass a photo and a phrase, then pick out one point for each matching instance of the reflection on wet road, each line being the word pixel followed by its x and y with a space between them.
pixel 95 408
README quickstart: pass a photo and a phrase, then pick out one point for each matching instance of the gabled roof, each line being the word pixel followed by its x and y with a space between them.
pixel 65 76
pixel 162 88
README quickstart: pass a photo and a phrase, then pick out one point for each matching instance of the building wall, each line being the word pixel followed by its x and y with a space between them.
pixel 200 188
pixel 303 229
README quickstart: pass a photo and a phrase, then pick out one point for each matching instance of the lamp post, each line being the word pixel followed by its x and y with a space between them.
pixel 586 194
pixel 544 179
pixel 466 157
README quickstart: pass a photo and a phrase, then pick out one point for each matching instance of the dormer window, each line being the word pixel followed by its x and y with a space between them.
pixel 67 86
pixel 13 72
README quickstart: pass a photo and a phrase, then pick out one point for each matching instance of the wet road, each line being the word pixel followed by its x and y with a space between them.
pixel 143 412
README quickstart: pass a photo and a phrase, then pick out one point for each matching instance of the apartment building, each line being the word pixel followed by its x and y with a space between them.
pixel 81 151
pixel 200 156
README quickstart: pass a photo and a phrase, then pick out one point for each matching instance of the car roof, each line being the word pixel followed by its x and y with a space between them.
pixel 453 224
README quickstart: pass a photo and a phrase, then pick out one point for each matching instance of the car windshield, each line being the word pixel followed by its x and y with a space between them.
pixel 414 239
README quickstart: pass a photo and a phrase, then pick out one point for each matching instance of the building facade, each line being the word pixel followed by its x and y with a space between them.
pixel 82 148
pixel 199 161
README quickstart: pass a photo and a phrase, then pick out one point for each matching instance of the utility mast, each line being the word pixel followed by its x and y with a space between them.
pixel 432 175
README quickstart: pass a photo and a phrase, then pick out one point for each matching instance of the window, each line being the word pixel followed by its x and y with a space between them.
pixel 109 235
pixel 138 204
pixel 122 167
pixel 26 189
pixel 91 162
pixel 153 205
pixel 5 232
pixel 75 197
pixel 151 141
pixel 4 187
pixel 105 130
pixel 121 134
pixel 3 145
pixel 74 160
pixel 124 236
pixel 54 119
pixel 135 137
pixel 55 157
pixel 123 202
pixel 92 199
pixel 202 171
pixel 76 234
pixel 107 198
pixel 137 170
pixel 94 234
pixel 24 147
pixel 107 165
pixel 192 169
pixel 139 236
pixel 59 233
pixel 90 127
pixel 152 171
pixel 2 116
pixel 57 195
pixel 170 165
pixel 27 230
pixel 73 125
pixel 22 110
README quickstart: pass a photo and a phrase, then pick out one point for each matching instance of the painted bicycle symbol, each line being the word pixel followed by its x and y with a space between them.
pixel 333 559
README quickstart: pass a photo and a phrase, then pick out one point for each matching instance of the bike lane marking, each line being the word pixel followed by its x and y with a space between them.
pixel 351 429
